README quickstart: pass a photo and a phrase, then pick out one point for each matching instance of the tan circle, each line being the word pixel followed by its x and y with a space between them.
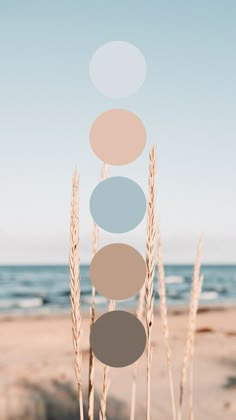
pixel 118 338
pixel 117 137
pixel 117 271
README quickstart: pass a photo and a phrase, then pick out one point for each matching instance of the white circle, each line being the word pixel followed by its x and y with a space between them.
pixel 118 69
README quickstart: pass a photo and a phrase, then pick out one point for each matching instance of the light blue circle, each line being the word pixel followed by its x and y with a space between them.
pixel 118 69
pixel 118 204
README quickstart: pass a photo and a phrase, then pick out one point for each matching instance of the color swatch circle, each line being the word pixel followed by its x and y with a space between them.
pixel 117 69
pixel 118 339
pixel 118 204
pixel 118 137
pixel 118 271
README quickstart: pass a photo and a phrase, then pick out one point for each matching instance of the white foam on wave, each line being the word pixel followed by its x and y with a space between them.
pixel 5 304
pixel 174 279
pixel 21 303
pixel 209 295
pixel 30 303
pixel 98 299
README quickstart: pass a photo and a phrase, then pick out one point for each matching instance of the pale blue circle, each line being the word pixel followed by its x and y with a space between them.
pixel 118 69
pixel 118 204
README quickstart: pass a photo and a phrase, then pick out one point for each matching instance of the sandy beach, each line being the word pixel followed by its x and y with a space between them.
pixel 37 373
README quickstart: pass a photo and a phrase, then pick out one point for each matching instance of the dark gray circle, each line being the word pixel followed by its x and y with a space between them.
pixel 118 339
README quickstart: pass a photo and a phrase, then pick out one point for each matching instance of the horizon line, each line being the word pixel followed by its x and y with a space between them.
pixel 63 264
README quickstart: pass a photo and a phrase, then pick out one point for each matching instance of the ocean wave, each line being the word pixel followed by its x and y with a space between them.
pixel 21 303
pixel 174 279
pixel 98 299
pixel 219 289
pixel 39 289
pixel 209 295
pixel 174 295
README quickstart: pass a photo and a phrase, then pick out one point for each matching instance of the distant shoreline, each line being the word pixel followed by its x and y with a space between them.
pixel 172 310
pixel 167 264
pixel 46 289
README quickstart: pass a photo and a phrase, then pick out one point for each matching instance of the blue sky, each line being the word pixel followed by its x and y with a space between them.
pixel 48 103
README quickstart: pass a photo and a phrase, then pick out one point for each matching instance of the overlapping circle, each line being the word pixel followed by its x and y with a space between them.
pixel 117 204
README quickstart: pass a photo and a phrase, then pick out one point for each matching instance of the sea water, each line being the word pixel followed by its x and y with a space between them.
pixel 46 289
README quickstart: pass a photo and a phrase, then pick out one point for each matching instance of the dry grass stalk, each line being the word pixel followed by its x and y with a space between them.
pixel 134 391
pixel 191 325
pixel 92 315
pixel 139 314
pixel 141 300
pixel 191 415
pixel 150 266
pixel 75 287
pixel 164 317
pixel 105 387
pixel 106 381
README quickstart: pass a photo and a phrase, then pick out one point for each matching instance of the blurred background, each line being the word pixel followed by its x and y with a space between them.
pixel 47 106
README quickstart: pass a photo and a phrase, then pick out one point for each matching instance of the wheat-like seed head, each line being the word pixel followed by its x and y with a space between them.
pixel 150 242
pixel 150 267
pixel 75 286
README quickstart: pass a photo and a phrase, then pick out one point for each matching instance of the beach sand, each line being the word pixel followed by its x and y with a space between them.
pixel 37 374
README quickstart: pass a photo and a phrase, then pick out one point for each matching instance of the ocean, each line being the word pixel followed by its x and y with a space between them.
pixel 45 289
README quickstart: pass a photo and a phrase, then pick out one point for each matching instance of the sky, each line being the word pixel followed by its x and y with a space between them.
pixel 48 104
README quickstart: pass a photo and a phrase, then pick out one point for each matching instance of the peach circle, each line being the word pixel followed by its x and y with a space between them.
pixel 117 137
